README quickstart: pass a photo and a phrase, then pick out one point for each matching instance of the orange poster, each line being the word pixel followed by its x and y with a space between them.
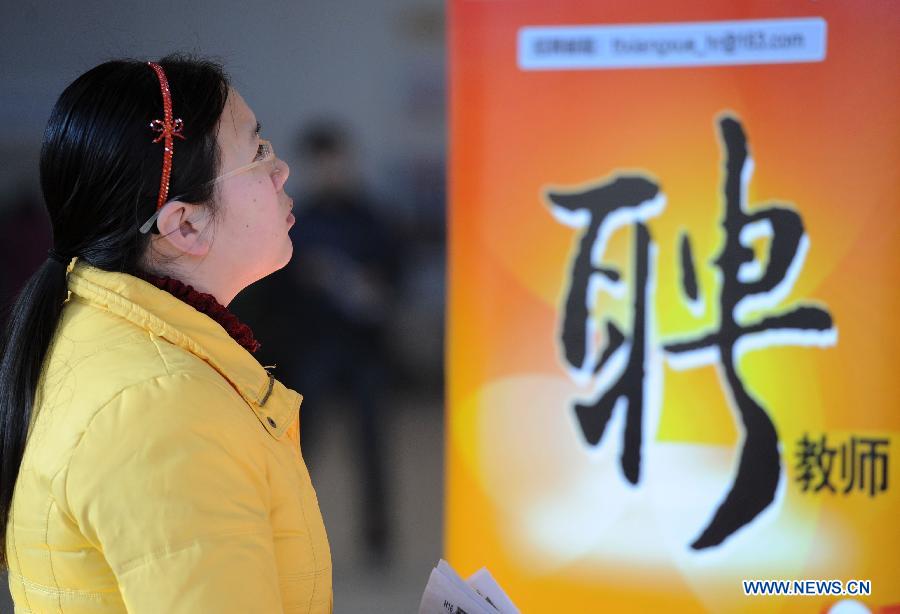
pixel 673 308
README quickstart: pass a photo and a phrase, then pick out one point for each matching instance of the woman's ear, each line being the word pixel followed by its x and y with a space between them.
pixel 181 226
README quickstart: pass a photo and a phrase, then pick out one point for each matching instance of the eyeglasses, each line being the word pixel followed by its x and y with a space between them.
pixel 265 154
pixel 265 157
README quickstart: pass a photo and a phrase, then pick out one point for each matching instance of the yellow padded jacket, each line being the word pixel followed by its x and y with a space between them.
pixel 162 472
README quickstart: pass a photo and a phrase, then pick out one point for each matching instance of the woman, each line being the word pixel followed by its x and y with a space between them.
pixel 148 462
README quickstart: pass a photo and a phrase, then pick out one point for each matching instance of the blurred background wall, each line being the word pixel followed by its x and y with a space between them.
pixel 375 69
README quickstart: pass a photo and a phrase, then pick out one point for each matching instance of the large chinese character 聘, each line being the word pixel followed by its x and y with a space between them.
pixel 746 288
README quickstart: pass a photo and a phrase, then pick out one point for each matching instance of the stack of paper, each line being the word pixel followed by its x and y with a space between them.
pixel 447 593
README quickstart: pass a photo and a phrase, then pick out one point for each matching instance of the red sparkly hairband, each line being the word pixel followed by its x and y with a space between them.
pixel 168 129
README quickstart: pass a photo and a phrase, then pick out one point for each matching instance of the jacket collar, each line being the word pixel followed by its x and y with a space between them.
pixel 164 315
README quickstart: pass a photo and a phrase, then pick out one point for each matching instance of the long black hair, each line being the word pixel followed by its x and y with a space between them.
pixel 100 176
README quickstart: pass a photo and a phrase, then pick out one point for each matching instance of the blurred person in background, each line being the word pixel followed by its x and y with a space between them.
pixel 347 268
pixel 148 462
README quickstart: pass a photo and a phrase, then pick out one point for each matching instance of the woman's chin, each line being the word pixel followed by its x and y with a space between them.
pixel 289 253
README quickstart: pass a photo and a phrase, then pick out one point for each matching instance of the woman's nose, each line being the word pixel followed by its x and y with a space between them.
pixel 282 172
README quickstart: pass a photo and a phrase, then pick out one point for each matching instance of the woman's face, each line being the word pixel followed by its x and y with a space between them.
pixel 251 233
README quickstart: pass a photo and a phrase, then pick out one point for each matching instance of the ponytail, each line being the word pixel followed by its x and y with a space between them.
pixel 32 322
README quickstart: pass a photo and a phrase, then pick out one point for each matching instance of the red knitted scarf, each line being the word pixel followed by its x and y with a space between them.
pixel 206 303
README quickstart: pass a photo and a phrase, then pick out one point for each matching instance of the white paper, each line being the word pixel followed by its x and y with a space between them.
pixel 483 582
pixel 443 596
